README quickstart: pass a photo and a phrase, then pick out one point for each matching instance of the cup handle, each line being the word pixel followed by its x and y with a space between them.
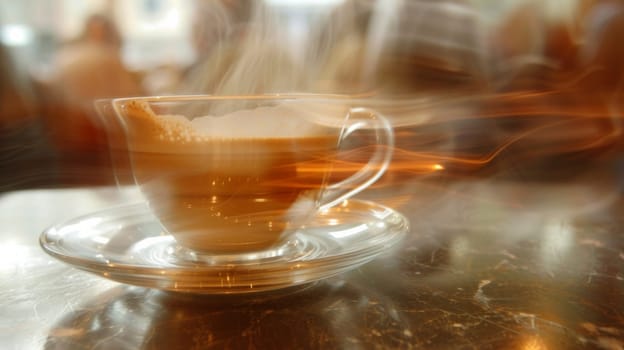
pixel 361 118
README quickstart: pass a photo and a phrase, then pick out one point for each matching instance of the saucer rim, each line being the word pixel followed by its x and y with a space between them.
pixel 127 273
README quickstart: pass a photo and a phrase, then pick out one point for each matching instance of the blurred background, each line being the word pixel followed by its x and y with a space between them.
pixel 475 87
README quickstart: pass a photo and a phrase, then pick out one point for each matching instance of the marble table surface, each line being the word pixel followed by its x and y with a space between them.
pixel 486 264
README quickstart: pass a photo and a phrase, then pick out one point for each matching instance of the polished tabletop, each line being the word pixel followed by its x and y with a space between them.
pixel 488 263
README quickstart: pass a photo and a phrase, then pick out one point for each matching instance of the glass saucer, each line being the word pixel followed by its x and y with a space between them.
pixel 128 245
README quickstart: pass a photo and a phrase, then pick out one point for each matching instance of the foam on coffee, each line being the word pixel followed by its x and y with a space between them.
pixel 285 122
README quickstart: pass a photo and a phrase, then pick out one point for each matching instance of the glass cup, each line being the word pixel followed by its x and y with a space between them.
pixel 238 175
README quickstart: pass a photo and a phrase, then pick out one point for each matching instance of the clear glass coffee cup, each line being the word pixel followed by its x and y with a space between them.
pixel 231 175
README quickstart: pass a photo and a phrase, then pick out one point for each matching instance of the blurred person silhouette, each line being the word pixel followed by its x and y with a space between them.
pixel 16 109
pixel 602 55
pixel 602 51
pixel 402 47
pixel 217 31
pixel 86 69
pixel 336 49
pixel 26 158
pixel 430 47
pixel 242 49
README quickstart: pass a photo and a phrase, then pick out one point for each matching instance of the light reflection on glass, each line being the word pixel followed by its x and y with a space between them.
pixel 349 232
pixel 83 226
pixel 101 239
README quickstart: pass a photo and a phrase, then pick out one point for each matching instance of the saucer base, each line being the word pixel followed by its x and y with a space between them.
pixel 126 244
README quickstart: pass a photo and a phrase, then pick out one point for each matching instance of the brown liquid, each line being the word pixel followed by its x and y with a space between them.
pixel 227 195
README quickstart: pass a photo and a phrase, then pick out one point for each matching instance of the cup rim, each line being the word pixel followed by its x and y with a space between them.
pixel 392 107
pixel 209 97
